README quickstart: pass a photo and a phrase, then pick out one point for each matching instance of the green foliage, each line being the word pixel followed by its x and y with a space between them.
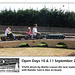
pixel 43 17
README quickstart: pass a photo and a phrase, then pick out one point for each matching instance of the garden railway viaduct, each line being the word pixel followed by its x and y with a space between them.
pixel 50 42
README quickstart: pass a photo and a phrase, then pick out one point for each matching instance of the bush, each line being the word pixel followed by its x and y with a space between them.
pixel 43 17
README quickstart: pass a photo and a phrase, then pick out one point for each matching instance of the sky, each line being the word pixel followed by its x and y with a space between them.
pixel 66 5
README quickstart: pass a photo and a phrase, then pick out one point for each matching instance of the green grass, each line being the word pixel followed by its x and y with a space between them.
pixel 26 45
pixel 42 44
pixel 23 45
pixel 61 45
pixel 2 34
pixel 13 34
pixel 17 34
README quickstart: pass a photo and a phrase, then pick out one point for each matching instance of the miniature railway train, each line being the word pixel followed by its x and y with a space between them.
pixel 26 37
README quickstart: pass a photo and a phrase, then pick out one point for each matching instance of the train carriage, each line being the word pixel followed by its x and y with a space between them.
pixel 26 37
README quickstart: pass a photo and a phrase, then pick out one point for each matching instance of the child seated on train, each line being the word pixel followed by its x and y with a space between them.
pixel 29 32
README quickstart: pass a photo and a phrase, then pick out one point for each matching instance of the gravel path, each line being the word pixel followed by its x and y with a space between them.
pixel 36 51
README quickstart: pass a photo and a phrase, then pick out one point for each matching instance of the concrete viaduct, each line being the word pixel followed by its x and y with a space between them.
pixel 49 42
